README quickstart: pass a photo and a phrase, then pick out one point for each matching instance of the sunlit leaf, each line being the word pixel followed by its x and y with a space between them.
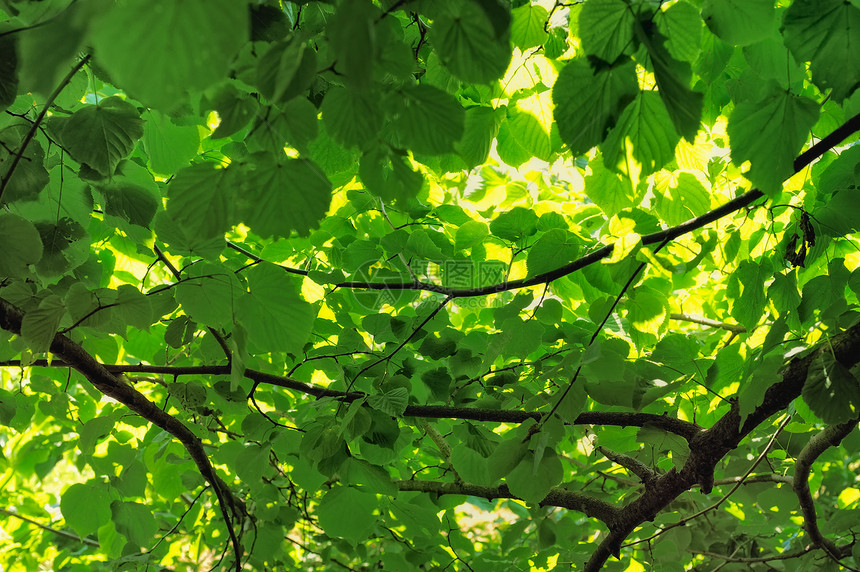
pixel 769 134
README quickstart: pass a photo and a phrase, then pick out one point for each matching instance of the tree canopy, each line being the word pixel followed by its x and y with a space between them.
pixel 468 285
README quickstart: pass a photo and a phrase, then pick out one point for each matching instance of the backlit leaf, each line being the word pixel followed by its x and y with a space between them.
pixel 769 133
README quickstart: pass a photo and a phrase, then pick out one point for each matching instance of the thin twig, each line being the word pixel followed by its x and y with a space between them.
pixel 38 121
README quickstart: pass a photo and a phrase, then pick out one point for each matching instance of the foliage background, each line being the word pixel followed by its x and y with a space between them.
pixel 421 285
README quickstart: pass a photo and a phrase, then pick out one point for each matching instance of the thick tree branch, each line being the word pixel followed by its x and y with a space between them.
pixel 829 437
pixel 588 505
pixel 708 447
pixel 107 383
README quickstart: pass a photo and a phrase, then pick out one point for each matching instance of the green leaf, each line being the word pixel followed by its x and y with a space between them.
pixel 749 306
pixel 673 81
pixel 283 195
pixel 826 33
pixel 8 71
pixel 508 146
pixel 525 337
pixel 183 241
pixel 646 311
pixel 47 51
pixel 831 391
pixel 135 522
pixel 274 314
pixel 101 135
pixel 532 483
pixel 390 176
pixel 685 200
pixel 514 224
pixel 606 28
pixel 208 293
pixel 478 131
pixel 293 124
pixel 529 122
pixel 647 128
pixel 429 120
pixel 63 246
pixel 473 42
pixel 286 70
pixel 234 109
pixel 354 41
pixel 470 233
pixel 40 324
pixel 20 244
pixel 372 478
pixel 421 245
pixel 527 27
pixel 769 134
pixel 588 103
pixel 840 215
pixel 179 332
pixel 132 203
pixel 740 22
pixel 783 292
pixel 682 26
pixel 85 507
pixel 507 456
pixel 30 176
pixel 345 512
pixel 190 395
pixel 159 50
pixel 771 61
pixel 133 307
pixel 392 402
pixel 170 146
pixel 554 249
pixel 201 198
pixel 471 466
pixel 352 119
pixel 611 192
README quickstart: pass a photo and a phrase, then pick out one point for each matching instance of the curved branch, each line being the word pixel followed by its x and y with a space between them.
pixel 107 383
pixel 635 466
pixel 709 446
pixel 586 504
pixel 829 437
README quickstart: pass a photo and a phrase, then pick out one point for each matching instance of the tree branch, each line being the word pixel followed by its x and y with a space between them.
pixel 736 328
pixel 63 533
pixel 674 425
pixel 588 505
pixel 635 466
pixel 106 382
pixel 829 437
pixel 441 444
pixel 709 446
